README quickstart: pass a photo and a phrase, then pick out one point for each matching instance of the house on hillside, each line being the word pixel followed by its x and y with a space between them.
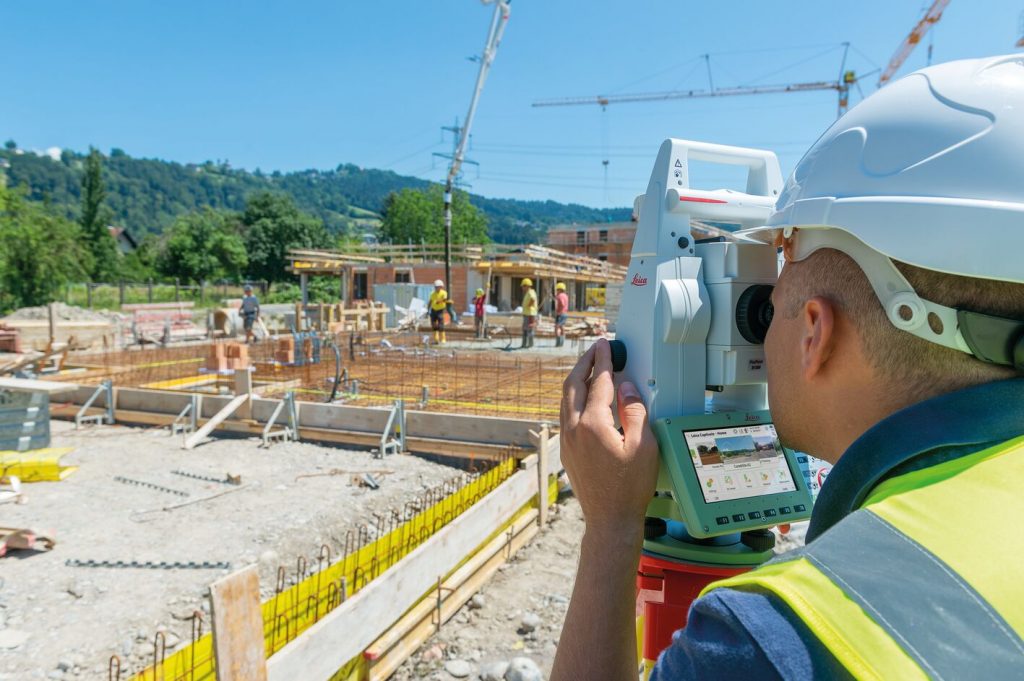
pixel 126 243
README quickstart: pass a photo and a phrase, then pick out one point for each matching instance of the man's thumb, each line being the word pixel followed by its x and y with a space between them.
pixel 632 412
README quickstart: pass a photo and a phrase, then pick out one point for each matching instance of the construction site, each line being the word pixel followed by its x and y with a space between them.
pixel 310 424
pixel 152 454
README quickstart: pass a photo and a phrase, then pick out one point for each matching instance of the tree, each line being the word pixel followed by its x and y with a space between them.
pixel 272 225
pixel 10 145
pixel 413 215
pixel 94 220
pixel 40 251
pixel 203 245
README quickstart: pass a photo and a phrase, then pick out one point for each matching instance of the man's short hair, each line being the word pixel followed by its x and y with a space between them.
pixel 913 364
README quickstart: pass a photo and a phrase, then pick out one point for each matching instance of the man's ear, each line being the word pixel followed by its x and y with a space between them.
pixel 818 336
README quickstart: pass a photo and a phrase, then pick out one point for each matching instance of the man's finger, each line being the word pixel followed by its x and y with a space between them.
pixel 602 389
pixel 632 415
pixel 574 390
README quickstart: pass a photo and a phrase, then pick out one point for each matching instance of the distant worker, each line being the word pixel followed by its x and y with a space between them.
pixel 529 313
pixel 478 312
pixel 250 312
pixel 561 313
pixel 438 309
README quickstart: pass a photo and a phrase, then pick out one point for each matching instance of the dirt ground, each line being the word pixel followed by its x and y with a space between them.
pixel 61 622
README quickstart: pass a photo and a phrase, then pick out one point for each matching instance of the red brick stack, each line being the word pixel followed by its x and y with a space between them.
pixel 227 357
pixel 10 340
pixel 284 350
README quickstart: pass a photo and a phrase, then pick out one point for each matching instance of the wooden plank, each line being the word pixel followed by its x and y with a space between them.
pixel 30 385
pixel 542 477
pixel 351 627
pixel 198 436
pixel 238 627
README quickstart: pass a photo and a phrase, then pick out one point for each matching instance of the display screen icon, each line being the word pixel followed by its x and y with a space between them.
pixel 749 455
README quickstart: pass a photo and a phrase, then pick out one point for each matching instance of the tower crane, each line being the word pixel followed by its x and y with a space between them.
pixel 930 18
pixel 498 22
pixel 841 86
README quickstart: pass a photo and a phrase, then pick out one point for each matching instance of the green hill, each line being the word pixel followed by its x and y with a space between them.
pixel 146 195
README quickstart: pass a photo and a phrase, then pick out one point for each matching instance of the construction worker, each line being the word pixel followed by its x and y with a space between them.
pixel 896 353
pixel 438 309
pixel 530 310
pixel 561 313
pixel 250 312
pixel 478 312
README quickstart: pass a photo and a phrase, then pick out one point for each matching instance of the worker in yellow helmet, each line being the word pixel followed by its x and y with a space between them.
pixel 478 312
pixel 561 313
pixel 896 352
pixel 438 311
pixel 530 309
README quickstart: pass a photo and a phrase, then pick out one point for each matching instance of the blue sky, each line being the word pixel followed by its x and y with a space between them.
pixel 301 84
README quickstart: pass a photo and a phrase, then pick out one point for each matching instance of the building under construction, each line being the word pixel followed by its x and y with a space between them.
pixel 495 268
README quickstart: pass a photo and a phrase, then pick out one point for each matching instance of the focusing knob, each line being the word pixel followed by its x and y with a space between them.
pixel 618 349
pixel 654 527
pixel 758 540
pixel 754 312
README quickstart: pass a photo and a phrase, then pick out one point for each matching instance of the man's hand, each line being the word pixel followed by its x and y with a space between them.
pixel 613 474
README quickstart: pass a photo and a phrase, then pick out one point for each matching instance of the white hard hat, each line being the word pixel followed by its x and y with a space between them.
pixel 928 171
pixel 438 282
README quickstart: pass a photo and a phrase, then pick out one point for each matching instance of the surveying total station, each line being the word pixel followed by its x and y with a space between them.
pixel 690 336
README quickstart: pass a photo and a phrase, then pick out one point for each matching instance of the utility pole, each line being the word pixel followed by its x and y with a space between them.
pixel 498 22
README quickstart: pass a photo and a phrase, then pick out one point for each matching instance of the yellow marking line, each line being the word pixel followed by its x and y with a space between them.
pixel 169 362
pixel 181 382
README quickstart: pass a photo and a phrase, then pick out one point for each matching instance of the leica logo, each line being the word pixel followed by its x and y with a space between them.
pixel 638 280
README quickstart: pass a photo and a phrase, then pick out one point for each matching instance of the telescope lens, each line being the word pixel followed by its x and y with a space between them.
pixel 754 311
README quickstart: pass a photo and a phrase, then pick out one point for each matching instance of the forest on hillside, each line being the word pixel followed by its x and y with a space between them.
pixel 147 195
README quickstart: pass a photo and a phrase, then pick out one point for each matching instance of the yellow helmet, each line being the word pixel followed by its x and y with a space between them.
pixel 560 286
pixel 527 282
pixel 479 291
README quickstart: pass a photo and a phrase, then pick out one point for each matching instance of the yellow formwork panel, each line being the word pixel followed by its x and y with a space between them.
pixel 37 465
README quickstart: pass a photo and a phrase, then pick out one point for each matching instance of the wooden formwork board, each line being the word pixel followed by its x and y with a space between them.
pixel 330 643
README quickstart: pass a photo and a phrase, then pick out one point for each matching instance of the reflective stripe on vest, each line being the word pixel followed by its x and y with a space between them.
pixel 923 581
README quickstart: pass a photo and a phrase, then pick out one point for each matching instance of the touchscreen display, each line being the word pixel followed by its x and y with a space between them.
pixel 739 462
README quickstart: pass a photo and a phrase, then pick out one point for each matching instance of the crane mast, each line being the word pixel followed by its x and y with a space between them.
pixel 499 20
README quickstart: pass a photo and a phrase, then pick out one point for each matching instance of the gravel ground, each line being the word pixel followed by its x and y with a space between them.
pixel 60 622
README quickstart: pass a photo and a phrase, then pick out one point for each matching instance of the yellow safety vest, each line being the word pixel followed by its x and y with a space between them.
pixel 439 300
pixel 924 580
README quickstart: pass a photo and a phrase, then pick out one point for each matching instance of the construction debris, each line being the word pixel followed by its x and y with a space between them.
pixel 13 491
pixel 149 564
pixel 13 538
pixel 227 480
pixel 38 465
pixel 365 480
pixel 342 471
pixel 143 483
